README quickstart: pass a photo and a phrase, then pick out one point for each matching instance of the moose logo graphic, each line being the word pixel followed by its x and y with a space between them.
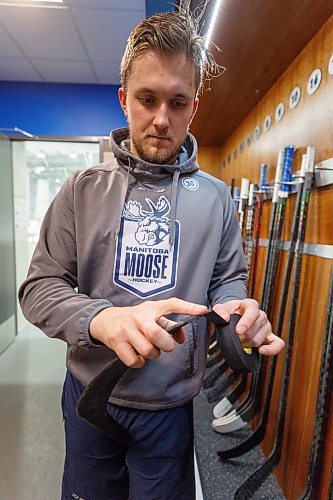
pixel 145 263
pixel 152 226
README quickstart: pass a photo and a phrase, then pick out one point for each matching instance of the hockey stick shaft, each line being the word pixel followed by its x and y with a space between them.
pixel 249 487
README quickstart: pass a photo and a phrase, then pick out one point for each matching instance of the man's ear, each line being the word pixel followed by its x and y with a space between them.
pixel 123 100
pixel 194 110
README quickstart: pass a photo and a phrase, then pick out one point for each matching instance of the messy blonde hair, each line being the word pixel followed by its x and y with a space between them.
pixel 170 33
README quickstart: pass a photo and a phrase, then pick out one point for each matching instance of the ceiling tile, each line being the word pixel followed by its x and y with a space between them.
pixel 105 32
pixel 7 46
pixel 55 70
pixel 17 69
pixel 110 4
pixel 40 32
pixel 107 72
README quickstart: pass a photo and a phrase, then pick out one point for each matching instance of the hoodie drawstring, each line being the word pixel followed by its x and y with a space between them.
pixel 123 197
pixel 173 206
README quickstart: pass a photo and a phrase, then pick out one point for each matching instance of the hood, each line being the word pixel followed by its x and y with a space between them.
pixel 186 162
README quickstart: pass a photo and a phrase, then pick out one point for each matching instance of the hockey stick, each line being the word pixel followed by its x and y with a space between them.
pixel 225 405
pixel 274 253
pixel 275 200
pixel 232 187
pixel 209 380
pixel 249 228
pixel 236 195
pixel 238 415
pixel 220 426
pixel 214 358
pixel 257 436
pixel 263 172
pixel 244 195
pixel 250 405
pixel 220 387
pixel 250 486
pixel 325 387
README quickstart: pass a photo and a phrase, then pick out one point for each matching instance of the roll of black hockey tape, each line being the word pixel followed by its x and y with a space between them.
pixel 238 357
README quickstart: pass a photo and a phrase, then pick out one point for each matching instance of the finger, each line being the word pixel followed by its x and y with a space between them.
pixel 167 324
pixel 158 336
pixel 127 355
pixel 251 313
pixel 143 346
pixel 258 331
pixel 222 311
pixel 257 339
pixel 272 346
pixel 175 305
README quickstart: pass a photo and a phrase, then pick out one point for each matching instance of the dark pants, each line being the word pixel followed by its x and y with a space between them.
pixel 155 464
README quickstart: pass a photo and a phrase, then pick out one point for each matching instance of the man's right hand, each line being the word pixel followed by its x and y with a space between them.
pixel 138 333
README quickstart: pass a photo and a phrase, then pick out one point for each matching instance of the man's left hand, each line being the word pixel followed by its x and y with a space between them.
pixel 253 328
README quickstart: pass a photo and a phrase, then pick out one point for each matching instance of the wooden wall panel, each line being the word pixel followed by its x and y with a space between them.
pixel 209 160
pixel 258 40
pixel 307 350
pixel 310 123
pixel 304 376
pixel 293 468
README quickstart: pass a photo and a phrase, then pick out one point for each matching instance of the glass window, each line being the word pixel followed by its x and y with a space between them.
pixel 39 170
pixel 48 165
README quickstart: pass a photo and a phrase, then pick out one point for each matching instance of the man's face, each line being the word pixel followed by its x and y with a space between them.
pixel 159 104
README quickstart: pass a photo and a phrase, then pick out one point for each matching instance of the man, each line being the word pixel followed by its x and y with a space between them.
pixel 142 236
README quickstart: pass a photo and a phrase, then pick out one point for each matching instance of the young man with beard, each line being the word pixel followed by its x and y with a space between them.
pixel 142 236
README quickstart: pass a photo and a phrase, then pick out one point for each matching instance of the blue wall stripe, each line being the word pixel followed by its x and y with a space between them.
pixel 60 109
pixel 56 109
pixel 154 6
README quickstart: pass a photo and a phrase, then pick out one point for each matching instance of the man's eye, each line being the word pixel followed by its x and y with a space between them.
pixel 178 104
pixel 146 100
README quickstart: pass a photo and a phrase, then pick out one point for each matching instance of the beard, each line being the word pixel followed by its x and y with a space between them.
pixel 152 154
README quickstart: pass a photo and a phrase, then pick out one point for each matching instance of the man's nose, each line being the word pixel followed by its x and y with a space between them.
pixel 161 119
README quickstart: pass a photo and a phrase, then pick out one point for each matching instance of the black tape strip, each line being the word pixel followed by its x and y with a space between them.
pixel 92 405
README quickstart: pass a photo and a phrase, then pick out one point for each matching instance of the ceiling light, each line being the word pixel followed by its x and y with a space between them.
pixel 52 4
pixel 212 22
pixel 33 1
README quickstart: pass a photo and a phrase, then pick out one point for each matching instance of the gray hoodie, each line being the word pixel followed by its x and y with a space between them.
pixel 126 231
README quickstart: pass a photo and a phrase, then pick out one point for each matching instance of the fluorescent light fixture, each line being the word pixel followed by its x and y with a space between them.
pixel 54 4
pixel 212 22
pixel 33 1
pixel 16 129
pixel 39 170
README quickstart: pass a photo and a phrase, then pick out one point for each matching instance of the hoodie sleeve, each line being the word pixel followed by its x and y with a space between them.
pixel 48 298
pixel 229 278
